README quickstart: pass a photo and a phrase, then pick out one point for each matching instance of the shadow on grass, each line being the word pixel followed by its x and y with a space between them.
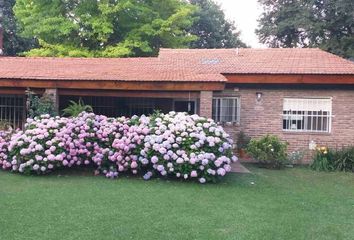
pixel 231 179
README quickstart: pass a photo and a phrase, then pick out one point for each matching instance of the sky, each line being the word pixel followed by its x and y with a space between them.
pixel 245 14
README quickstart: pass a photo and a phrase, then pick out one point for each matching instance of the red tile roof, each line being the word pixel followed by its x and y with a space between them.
pixel 258 61
pixel 119 69
pixel 177 65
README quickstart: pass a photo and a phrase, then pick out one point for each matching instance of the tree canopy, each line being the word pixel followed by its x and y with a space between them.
pixel 212 28
pixel 13 42
pixel 328 24
pixel 105 28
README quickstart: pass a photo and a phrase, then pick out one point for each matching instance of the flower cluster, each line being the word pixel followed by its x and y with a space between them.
pixel 322 150
pixel 4 140
pixel 187 146
pixel 174 144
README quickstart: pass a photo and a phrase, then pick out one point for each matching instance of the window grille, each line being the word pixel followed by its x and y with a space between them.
pixel 140 106
pixel 101 105
pixel 12 110
pixel 307 114
pixel 226 109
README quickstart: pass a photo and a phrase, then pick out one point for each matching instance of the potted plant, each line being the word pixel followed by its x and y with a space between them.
pixel 242 142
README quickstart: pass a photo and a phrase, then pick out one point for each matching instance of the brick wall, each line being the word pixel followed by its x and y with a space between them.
pixel 264 117
pixel 206 101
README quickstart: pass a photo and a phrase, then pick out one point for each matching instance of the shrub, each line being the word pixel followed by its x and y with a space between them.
pixel 171 145
pixel 296 157
pixel 323 159
pixel 344 159
pixel 269 151
pixel 328 160
pixel 38 106
pixel 5 136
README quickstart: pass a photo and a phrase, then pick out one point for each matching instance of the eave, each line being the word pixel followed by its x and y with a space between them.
pixel 115 85
pixel 340 79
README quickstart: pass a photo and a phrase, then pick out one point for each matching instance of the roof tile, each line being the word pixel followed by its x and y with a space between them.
pixel 202 65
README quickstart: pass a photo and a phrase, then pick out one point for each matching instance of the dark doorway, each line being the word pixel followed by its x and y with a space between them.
pixel 185 106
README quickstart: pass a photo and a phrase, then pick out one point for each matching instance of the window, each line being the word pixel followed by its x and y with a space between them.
pixel 12 110
pixel 307 114
pixel 141 106
pixel 226 109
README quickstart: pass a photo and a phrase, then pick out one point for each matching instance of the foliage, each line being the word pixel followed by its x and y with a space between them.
pixel 344 159
pixel 296 157
pixel 13 42
pixel 326 24
pixel 75 108
pixel 269 151
pixel 4 125
pixel 38 106
pixel 168 145
pixel 328 160
pixel 105 28
pixel 212 28
pixel 323 159
pixel 242 140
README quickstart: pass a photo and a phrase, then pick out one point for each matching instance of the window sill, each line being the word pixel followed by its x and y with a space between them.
pixel 229 124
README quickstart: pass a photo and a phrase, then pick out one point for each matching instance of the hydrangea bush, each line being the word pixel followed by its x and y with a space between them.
pixel 172 145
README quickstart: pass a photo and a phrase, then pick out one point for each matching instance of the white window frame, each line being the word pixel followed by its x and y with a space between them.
pixel 236 110
pixel 307 114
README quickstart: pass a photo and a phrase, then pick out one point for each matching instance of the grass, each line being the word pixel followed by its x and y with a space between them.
pixel 267 204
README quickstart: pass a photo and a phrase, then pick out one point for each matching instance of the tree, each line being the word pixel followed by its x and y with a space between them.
pixel 105 28
pixel 13 43
pixel 328 24
pixel 212 28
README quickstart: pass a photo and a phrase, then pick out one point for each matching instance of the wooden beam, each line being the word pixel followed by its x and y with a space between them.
pixel 114 85
pixel 290 78
pixel 19 91
pixel 119 93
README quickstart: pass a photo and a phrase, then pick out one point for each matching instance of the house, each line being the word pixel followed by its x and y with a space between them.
pixel 305 96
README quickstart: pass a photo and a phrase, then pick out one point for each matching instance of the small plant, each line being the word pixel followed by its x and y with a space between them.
pixel 242 140
pixel 75 108
pixel 327 160
pixel 344 159
pixel 38 106
pixel 296 157
pixel 4 126
pixel 323 160
pixel 269 150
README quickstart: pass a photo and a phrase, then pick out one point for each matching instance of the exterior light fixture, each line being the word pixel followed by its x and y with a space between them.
pixel 259 96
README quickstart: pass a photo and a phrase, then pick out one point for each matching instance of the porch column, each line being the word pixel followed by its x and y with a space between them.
pixel 206 104
pixel 52 93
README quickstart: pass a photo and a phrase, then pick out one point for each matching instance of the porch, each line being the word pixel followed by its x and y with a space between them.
pixel 13 108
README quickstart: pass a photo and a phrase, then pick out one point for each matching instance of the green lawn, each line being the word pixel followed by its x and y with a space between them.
pixel 288 204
